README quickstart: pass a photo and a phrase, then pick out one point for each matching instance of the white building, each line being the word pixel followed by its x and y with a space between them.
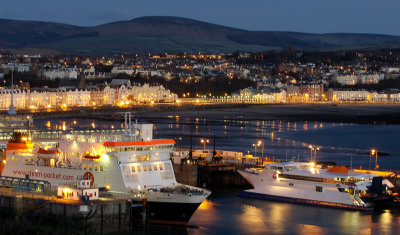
pixel 359 78
pixel 66 73
pixel 79 191
pixel 123 70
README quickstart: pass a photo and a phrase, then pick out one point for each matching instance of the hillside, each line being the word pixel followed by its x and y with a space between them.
pixel 172 34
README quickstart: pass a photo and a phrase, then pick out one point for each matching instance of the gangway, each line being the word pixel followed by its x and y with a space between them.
pixel 25 184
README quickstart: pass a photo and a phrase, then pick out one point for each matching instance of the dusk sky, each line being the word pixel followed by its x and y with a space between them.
pixel 314 16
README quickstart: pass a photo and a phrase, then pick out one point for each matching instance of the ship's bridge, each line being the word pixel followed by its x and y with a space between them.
pixel 142 150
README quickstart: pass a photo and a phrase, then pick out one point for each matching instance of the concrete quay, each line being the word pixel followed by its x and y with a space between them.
pixel 106 215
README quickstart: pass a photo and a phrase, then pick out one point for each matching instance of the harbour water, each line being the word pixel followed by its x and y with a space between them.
pixel 224 212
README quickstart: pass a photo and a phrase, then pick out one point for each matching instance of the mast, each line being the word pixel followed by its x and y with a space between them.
pixel 11 109
pixel 130 127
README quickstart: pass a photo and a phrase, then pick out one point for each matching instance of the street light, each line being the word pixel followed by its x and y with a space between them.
pixel 255 149
pixel 373 152
pixel 261 143
pixel 313 148
pixel 204 141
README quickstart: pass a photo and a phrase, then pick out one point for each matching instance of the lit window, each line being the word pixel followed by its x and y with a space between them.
pixel 133 168
pixel 84 166
pixel 144 168
pixel 138 169
pixel 101 167
pixel 149 168
pixel 95 167
pixel 90 167
pixel 161 167
pixel 155 167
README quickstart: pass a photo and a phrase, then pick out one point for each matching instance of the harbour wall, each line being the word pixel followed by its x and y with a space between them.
pixel 98 217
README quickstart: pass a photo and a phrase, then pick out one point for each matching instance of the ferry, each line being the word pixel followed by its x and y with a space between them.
pixel 308 183
pixel 132 163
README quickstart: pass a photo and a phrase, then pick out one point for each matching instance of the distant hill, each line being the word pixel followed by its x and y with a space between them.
pixel 155 34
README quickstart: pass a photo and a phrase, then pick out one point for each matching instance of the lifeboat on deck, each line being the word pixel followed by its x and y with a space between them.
pixel 48 153
pixel 91 156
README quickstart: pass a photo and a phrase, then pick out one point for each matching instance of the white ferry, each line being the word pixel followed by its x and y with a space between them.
pixel 133 163
pixel 306 183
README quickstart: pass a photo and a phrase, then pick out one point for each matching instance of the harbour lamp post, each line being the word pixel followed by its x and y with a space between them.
pixel 373 152
pixel 261 143
pixel 255 149
pixel 204 141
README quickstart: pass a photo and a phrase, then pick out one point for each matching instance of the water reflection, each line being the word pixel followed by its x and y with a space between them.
pixel 253 218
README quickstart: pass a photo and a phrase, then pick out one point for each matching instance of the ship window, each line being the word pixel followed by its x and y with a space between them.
pixel 84 166
pixel 291 184
pixel 318 189
pixel 144 168
pixel 66 154
pixel 133 168
pixel 155 167
pixel 8 159
pixel 31 159
pixel 151 148
pixel 26 159
pixel 72 154
pixel 138 169
pixel 77 154
pixel 95 167
pixel 149 168
pixel 101 167
pixel 90 167
pixel 161 168
pixel 148 158
pixel 12 158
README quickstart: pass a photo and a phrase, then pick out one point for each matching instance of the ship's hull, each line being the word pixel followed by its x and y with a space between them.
pixel 301 201
pixel 171 213
pixel 299 192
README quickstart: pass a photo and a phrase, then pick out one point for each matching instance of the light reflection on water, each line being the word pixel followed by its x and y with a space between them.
pixel 227 213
